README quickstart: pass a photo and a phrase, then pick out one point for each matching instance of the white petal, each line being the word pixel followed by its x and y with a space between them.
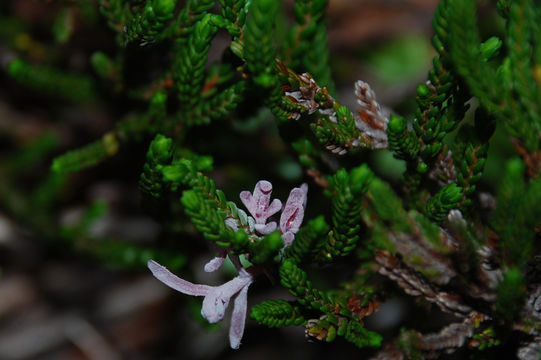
pixel 238 318
pixel 214 305
pixel 266 229
pixel 174 282
pixel 215 263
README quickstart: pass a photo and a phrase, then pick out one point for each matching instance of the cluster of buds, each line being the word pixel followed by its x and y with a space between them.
pixel 261 209
pixel 217 298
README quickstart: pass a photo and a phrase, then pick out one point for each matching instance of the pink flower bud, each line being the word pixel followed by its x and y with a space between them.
pixel 293 212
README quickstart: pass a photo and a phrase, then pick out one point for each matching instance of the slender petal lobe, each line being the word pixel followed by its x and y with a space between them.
pixel 174 282
pixel 238 318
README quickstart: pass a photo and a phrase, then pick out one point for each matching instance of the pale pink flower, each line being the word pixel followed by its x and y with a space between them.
pixel 216 298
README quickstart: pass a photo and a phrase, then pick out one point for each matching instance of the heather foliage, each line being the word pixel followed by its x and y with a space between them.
pixel 432 234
